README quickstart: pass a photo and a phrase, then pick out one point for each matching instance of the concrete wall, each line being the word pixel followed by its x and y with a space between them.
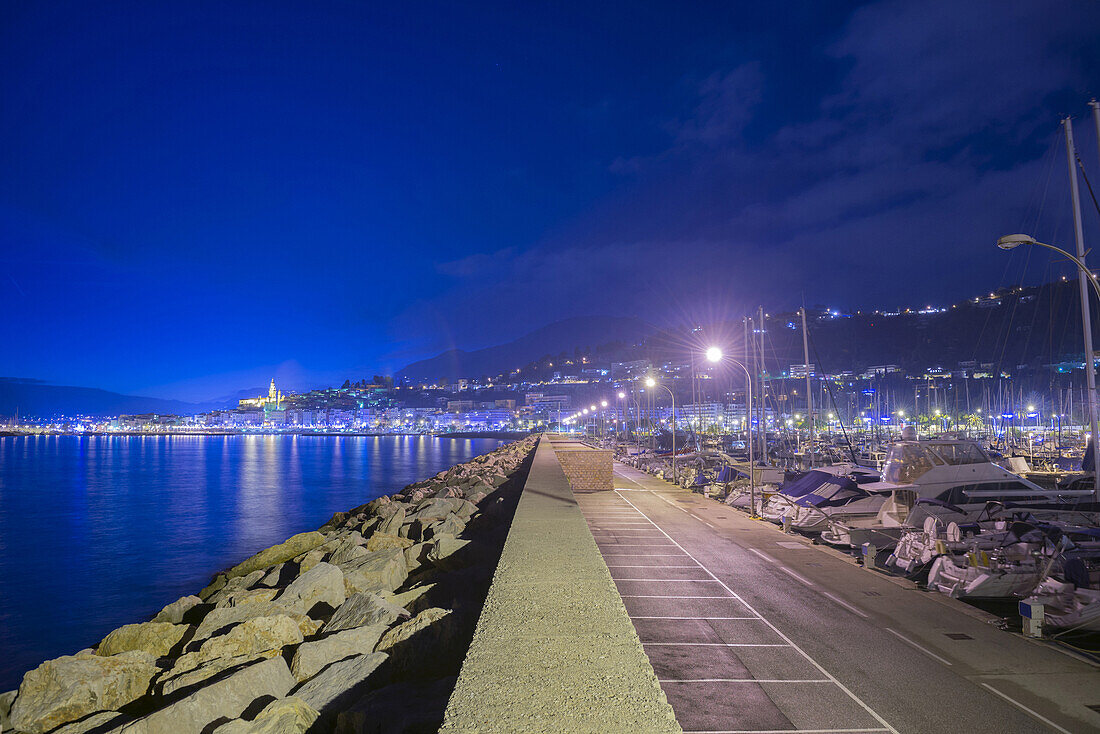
pixel 588 470
pixel 554 648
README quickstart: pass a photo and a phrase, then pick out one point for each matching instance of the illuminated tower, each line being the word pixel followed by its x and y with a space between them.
pixel 272 395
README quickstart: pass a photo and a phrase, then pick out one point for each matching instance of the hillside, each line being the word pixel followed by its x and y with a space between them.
pixel 582 333
pixel 35 398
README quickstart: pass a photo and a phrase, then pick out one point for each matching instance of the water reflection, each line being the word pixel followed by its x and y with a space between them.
pixel 100 531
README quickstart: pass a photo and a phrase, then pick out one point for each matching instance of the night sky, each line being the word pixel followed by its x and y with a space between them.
pixel 197 195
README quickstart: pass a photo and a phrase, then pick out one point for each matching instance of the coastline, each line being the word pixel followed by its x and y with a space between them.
pixel 507 435
pixel 413 566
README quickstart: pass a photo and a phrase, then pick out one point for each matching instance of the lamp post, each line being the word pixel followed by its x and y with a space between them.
pixel 1084 275
pixel 650 382
pixel 714 354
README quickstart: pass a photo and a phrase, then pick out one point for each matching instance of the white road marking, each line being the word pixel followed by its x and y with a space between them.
pixel 785 731
pixel 1020 706
pixel 720 644
pixel 636 545
pixel 923 649
pixel 846 605
pixel 765 556
pixel 755 680
pixel 674 596
pixel 623 566
pixel 794 575
pixel 755 619
pixel 775 629
pixel 694 581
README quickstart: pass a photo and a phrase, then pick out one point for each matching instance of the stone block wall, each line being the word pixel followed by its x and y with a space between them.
pixel 588 470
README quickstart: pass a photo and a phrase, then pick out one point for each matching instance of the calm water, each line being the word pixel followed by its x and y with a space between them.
pixel 98 531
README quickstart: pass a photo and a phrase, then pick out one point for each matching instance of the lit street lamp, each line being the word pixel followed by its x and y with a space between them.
pixel 1012 241
pixel 650 382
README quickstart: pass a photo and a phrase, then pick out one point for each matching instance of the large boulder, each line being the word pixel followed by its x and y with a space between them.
pixel 295 545
pixel 444 553
pixel 155 638
pixel 104 721
pixel 223 699
pixel 312 657
pixel 223 617
pixel 232 586
pixel 382 541
pixel 73 686
pixel 290 715
pixel 364 609
pixel 6 700
pixel 264 636
pixel 339 684
pixel 175 611
pixel 347 549
pixel 382 570
pixel 424 620
pixel 390 524
pixel 322 584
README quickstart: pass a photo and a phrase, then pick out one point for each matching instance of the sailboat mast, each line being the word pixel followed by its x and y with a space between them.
pixel 809 385
pixel 1086 318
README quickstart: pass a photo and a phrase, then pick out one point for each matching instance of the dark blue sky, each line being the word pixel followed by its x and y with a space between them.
pixel 194 196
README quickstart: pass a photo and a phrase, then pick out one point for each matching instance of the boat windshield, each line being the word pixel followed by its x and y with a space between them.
pixel 906 461
pixel 958 453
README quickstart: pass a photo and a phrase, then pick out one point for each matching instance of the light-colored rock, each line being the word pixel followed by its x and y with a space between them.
pixel 324 583
pixel 308 560
pixel 174 680
pixel 390 524
pixel 273 578
pixel 70 687
pixel 443 550
pixel 348 549
pixel 416 555
pixel 382 541
pixel 451 525
pixel 405 630
pixel 263 636
pixel 285 551
pixel 223 699
pixel 226 616
pixel 174 612
pixel 103 721
pixel 6 700
pixel 312 657
pixel 382 570
pixel 290 715
pixel 245 596
pixel 364 609
pixel 338 685
pixel 155 638
pixel 216 584
pixel 234 586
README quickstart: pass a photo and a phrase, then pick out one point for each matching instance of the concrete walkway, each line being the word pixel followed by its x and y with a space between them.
pixel 750 630
pixel 554 650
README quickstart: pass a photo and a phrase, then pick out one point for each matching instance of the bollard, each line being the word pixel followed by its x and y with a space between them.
pixel 1032 613
pixel 787 524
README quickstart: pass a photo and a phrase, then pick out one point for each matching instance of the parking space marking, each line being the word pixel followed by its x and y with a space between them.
pixel 775 629
pixel 795 576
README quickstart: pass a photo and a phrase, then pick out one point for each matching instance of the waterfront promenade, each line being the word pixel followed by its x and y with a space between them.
pixel 751 630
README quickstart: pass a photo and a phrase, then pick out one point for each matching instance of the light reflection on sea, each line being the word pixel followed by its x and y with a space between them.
pixel 101 531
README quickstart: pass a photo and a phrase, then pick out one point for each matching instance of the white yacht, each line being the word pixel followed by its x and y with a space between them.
pixel 956 472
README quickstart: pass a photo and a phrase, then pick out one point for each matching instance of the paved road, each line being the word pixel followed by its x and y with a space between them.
pixel 751 630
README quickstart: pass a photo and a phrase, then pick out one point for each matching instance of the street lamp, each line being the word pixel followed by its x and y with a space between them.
pixel 1012 241
pixel 714 354
pixel 650 382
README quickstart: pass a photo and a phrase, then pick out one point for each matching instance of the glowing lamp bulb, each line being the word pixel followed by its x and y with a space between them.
pixel 714 354
pixel 650 382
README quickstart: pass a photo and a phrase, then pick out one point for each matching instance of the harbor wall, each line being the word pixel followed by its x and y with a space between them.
pixel 554 649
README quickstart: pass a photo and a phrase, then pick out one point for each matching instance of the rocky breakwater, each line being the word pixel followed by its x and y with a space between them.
pixel 359 626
